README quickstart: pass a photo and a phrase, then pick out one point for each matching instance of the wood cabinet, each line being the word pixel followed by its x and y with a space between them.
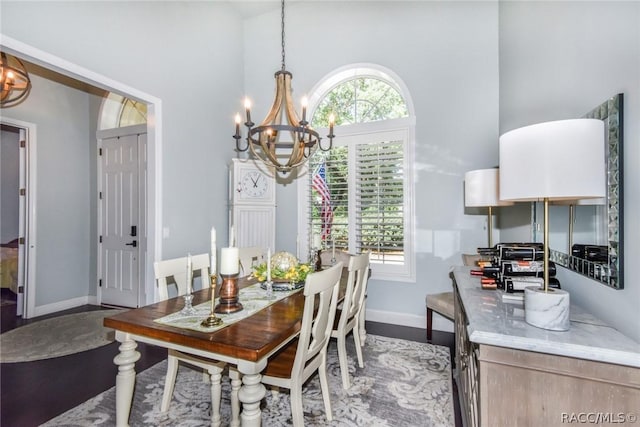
pixel 512 374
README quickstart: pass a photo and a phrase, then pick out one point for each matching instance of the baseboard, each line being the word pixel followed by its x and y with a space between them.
pixel 64 305
pixel 411 320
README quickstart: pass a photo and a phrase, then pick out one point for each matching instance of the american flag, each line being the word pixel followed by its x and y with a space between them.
pixel 319 183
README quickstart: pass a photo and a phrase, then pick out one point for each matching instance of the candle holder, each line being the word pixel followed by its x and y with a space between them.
pixel 212 320
pixel 269 288
pixel 188 309
pixel 228 301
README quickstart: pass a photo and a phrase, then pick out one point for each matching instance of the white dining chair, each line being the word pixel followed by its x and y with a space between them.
pixel 250 257
pixel 348 316
pixel 340 256
pixel 293 364
pixel 177 269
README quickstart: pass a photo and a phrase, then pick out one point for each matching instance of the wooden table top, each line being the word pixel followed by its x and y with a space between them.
pixel 249 339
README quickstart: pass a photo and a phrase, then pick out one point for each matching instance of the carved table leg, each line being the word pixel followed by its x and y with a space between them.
pixel 126 378
pixel 251 393
pixel 215 376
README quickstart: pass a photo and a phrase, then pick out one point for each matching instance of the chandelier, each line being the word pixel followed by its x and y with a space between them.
pixel 14 80
pixel 268 141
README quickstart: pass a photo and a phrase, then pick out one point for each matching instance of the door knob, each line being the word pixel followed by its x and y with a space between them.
pixel 134 244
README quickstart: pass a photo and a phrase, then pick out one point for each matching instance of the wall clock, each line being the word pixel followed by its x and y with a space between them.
pixel 252 204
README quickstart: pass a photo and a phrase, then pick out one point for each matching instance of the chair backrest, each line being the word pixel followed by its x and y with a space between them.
pixel 470 259
pixel 321 291
pixel 250 256
pixel 356 289
pixel 341 256
pixel 176 268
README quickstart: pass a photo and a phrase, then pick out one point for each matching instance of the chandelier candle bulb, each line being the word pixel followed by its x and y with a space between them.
pixel 238 120
pixel 304 103
pixel 229 261
pixel 247 109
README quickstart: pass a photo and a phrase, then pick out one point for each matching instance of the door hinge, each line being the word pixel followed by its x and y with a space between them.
pixel 21 289
pixel 100 239
pixel 21 241
pixel 23 143
pixel 100 283
pixel 99 151
pixel 100 195
pixel 23 191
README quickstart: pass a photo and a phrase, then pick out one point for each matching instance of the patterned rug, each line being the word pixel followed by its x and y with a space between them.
pixel 55 337
pixel 403 383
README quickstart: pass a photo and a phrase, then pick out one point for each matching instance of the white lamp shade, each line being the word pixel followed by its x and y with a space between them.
pixel 560 160
pixel 482 188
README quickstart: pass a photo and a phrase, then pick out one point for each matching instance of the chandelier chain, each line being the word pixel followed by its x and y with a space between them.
pixel 282 33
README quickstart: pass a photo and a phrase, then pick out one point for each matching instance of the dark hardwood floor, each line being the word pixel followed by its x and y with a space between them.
pixel 34 392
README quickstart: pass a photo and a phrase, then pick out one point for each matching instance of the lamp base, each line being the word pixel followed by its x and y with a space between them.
pixel 547 310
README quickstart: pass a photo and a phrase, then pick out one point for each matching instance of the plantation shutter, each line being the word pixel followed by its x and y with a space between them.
pixel 379 192
pixel 336 172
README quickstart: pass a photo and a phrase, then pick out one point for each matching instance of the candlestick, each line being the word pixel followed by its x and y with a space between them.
pixel 229 261
pixel 317 241
pixel 212 320
pixel 228 301
pixel 213 264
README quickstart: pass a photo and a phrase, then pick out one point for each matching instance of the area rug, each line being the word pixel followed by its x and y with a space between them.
pixel 403 383
pixel 57 336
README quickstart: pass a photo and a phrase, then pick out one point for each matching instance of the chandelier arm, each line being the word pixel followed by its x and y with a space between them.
pixel 330 144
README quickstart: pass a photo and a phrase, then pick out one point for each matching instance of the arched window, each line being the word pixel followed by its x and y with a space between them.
pixel 117 111
pixel 359 193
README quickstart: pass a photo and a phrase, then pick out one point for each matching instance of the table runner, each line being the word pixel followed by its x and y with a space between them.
pixel 253 298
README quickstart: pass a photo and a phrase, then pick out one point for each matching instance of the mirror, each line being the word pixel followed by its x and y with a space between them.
pixel 588 238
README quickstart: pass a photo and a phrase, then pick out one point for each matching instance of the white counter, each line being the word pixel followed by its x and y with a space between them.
pixel 502 324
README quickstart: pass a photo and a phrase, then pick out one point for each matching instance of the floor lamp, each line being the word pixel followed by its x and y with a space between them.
pixel 482 190
pixel 559 160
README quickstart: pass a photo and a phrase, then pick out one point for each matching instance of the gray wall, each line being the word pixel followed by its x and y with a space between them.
pixel 558 60
pixel 474 70
pixel 10 168
pixel 62 188
pixel 447 55
pixel 137 44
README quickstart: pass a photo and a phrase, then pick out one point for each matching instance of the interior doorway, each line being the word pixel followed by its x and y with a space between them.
pixel 16 152
pixel 152 176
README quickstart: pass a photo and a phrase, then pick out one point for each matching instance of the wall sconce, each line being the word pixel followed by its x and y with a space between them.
pixel 559 160
pixel 482 190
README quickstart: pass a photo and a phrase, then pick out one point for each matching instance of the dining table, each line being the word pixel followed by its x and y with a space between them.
pixel 247 344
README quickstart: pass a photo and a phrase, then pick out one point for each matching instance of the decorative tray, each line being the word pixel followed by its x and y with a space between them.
pixel 283 286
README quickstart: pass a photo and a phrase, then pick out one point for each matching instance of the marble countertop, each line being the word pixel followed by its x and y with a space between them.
pixel 498 323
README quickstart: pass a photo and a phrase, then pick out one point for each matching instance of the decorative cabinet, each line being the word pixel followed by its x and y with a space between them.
pixel 510 373
pixel 252 204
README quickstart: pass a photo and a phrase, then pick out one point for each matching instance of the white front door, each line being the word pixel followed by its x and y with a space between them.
pixel 122 229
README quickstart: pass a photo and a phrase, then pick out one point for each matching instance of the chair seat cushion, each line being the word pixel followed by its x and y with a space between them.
pixel 441 303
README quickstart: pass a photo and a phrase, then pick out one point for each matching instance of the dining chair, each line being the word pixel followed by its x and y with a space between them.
pixel 249 257
pixel 341 256
pixel 348 315
pixel 293 364
pixel 442 303
pixel 177 269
